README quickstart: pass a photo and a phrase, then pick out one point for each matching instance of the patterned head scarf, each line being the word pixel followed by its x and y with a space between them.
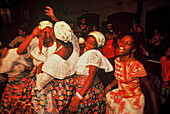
pixel 44 24
pixel 99 38
pixel 62 31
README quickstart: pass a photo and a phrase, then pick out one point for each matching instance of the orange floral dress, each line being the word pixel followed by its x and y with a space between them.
pixel 128 97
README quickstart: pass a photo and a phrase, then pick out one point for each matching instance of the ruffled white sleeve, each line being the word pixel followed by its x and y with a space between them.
pixel 95 58
pixel 33 44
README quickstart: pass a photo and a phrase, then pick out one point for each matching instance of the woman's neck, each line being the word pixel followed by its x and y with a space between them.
pixel 126 58
pixel 48 44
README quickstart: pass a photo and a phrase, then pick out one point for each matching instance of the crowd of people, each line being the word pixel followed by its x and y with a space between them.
pixel 56 69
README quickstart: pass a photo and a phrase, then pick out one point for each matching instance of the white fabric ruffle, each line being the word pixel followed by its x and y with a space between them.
pixel 93 57
pixel 13 64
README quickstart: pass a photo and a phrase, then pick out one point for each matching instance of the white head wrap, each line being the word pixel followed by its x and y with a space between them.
pixel 62 31
pixel 81 40
pixel 99 37
pixel 44 24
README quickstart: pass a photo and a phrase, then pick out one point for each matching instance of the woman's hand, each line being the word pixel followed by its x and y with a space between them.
pixel 49 12
pixel 74 105
pixel 36 31
pixel 108 88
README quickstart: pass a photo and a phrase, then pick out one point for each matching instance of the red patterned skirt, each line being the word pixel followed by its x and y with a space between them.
pixel 94 100
pixel 55 97
pixel 12 93
pixel 25 105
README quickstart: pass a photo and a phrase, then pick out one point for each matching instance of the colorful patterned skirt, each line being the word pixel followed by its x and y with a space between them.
pixel 117 104
pixel 25 105
pixel 94 101
pixel 55 97
pixel 12 93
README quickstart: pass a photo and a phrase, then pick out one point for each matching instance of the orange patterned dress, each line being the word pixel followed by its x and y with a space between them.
pixel 128 97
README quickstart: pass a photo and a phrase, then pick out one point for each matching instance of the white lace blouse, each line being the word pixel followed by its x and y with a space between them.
pixel 95 58
pixel 33 50
pixel 57 67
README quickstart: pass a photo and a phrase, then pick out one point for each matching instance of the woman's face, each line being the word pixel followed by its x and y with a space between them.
pixel 157 36
pixel 47 34
pixel 94 28
pixel 83 21
pixel 90 43
pixel 21 33
pixel 139 29
pixel 125 45
pixel 72 25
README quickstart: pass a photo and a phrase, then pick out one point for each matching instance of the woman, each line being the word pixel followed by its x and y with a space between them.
pixel 89 97
pixel 39 45
pixel 14 66
pixel 55 85
pixel 128 97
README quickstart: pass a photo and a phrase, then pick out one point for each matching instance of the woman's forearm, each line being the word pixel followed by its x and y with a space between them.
pixel 114 83
pixel 89 81
pixel 22 47
pixel 86 86
pixel 54 18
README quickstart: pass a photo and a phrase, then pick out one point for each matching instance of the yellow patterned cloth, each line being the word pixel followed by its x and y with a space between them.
pixel 127 98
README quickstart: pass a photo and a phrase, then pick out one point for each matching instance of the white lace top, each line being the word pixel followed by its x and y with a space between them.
pixel 33 50
pixel 93 57
pixel 60 68
pixel 13 64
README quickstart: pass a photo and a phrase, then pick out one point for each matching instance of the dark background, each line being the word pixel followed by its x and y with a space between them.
pixel 30 12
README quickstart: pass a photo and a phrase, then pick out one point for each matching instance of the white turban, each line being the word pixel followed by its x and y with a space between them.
pixel 99 38
pixel 44 24
pixel 81 40
pixel 62 31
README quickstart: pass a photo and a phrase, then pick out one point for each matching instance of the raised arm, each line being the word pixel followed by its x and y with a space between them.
pixel 50 12
pixel 13 42
pixel 22 47
pixel 75 104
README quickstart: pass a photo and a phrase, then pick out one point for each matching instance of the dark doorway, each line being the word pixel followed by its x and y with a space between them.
pixel 121 21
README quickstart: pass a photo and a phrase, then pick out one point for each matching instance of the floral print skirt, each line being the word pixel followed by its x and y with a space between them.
pixel 25 105
pixel 55 97
pixel 117 104
pixel 94 101
pixel 12 93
